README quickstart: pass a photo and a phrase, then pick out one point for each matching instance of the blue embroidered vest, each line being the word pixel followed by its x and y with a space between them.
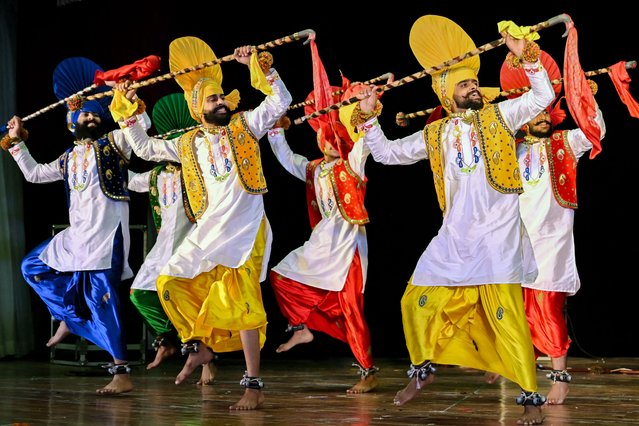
pixel 112 169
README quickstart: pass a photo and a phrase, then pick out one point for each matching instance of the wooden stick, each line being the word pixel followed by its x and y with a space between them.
pixel 284 40
pixel 388 77
pixel 172 132
pixel 563 18
pixel 402 119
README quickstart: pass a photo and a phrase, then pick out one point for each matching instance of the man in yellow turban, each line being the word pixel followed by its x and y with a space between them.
pixel 210 287
pixel 463 304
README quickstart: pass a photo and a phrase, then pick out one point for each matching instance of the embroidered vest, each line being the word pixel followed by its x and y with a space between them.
pixel 349 190
pixel 563 169
pixel 246 156
pixel 497 144
pixel 112 169
pixel 154 196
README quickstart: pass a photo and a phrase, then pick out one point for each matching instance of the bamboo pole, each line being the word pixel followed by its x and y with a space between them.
pixel 402 119
pixel 308 33
pixel 563 18
pixel 388 77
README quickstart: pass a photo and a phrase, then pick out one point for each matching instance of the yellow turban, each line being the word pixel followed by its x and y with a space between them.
pixel 187 52
pixel 444 83
pixel 204 88
pixel 434 40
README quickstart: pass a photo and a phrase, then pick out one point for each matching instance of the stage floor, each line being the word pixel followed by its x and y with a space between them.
pixel 307 392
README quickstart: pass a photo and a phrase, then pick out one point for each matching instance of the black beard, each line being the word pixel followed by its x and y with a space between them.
pixel 466 103
pixel 217 117
pixel 540 133
pixel 82 131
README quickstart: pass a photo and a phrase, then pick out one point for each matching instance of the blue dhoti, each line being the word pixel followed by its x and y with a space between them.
pixel 87 301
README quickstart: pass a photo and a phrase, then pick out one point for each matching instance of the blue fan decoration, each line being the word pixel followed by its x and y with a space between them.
pixel 75 74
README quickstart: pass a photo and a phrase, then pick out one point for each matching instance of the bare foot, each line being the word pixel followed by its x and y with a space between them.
pixel 532 416
pixel 251 400
pixel 491 378
pixel 412 389
pixel 203 356
pixel 557 394
pixel 62 332
pixel 208 374
pixel 300 336
pixel 121 383
pixel 364 385
pixel 162 353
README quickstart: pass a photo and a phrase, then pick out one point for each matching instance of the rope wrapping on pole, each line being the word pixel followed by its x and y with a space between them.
pixel 170 75
pixel 563 18
pixel 304 34
pixel 60 102
pixel 402 119
pixel 387 76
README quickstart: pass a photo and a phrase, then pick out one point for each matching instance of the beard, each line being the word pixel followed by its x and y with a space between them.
pixel 541 133
pixel 220 116
pixel 467 103
pixel 84 131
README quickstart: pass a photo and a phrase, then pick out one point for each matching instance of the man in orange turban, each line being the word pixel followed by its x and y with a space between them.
pixel 548 159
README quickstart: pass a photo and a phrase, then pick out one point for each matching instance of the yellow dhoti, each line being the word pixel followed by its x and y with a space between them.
pixel 481 326
pixel 214 306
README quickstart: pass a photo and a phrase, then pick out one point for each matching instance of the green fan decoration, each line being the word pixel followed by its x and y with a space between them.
pixel 171 116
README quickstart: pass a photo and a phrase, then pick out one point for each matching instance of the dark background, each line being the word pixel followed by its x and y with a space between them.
pixel 401 200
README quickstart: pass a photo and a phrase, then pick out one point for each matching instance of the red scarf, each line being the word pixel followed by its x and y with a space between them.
pixel 579 98
pixel 621 80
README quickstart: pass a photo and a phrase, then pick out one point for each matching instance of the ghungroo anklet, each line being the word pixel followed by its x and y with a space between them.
pixel 365 372
pixel 421 372
pixel 559 376
pixel 251 382
pixel 169 338
pixel 159 341
pixel 530 398
pixel 117 368
pixel 190 347
pixel 294 328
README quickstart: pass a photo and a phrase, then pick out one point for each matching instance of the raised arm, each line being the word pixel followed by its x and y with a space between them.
pixel 33 171
pixel 295 164
pixel 268 81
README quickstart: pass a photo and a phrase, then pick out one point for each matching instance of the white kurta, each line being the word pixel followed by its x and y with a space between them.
pixel 87 244
pixel 480 240
pixel 174 228
pixel 550 225
pixel 325 259
pixel 226 232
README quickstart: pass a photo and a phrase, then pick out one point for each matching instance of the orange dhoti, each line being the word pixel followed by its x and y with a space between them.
pixel 548 329
pixel 339 314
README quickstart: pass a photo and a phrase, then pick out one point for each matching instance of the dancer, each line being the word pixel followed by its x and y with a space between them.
pixel 463 304
pixel 210 288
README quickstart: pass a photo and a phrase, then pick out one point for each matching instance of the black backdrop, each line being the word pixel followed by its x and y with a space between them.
pixel 400 199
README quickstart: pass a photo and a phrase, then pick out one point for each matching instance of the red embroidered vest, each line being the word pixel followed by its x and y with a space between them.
pixel 563 169
pixel 349 190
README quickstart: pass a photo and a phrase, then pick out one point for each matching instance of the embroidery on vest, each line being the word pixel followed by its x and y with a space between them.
pixel 246 155
pixel 498 147
pixel 349 191
pixel 112 167
pixel 196 200
pixel 563 169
